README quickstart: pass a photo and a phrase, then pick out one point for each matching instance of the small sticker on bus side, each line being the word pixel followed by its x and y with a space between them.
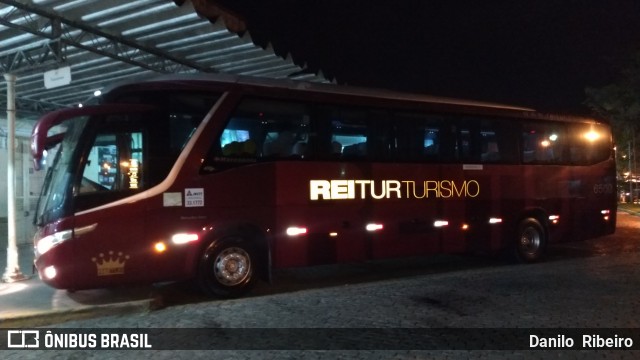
pixel 194 197
pixel 171 199
pixel 472 167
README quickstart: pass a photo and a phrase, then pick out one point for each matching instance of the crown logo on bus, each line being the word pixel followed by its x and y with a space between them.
pixel 111 264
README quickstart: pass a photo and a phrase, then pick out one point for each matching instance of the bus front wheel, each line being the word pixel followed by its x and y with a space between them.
pixel 227 268
pixel 530 241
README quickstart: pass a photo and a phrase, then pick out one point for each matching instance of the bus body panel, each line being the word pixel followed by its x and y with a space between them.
pixel 334 228
pixel 594 198
pixel 110 246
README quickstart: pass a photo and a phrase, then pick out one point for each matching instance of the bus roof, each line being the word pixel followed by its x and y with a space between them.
pixel 229 79
pixel 224 81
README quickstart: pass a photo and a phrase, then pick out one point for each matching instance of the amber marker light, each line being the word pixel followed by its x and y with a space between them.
pixel 160 247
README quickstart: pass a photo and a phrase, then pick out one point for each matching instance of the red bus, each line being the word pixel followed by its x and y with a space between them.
pixel 225 178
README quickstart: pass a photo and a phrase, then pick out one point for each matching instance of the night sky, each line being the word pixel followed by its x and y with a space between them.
pixel 535 53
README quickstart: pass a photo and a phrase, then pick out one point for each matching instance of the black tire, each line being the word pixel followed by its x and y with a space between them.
pixel 227 268
pixel 530 241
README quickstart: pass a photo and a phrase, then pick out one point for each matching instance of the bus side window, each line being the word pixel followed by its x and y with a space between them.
pixel 380 141
pixel 261 129
pixel 543 144
pixel 490 149
pixel 349 132
pixel 99 173
pixel 431 143
pixel 498 142
pixel 285 136
pixel 236 140
pixel 589 144
pixel 114 163
pixel 418 137
pixel 465 144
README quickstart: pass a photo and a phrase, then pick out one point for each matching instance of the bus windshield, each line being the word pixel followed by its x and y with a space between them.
pixel 112 151
pixel 56 185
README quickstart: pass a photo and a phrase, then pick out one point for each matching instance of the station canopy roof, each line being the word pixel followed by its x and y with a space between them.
pixel 102 42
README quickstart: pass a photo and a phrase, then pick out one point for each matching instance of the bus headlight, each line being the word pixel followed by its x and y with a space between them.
pixel 46 243
pixel 50 272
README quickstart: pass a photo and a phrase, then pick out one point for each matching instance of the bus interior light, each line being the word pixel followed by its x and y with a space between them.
pixel 184 238
pixel 295 231
pixel 374 227
pixel 495 220
pixel 440 223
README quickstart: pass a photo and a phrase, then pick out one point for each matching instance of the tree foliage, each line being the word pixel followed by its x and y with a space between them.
pixel 619 102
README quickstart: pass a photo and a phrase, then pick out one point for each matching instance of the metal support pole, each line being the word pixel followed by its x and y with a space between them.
pixel 12 273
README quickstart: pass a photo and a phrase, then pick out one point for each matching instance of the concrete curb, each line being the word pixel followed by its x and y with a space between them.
pixel 44 318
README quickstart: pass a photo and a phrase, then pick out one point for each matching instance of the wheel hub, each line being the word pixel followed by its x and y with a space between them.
pixel 232 266
pixel 530 240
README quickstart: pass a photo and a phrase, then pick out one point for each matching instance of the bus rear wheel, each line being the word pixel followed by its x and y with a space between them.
pixel 227 268
pixel 530 241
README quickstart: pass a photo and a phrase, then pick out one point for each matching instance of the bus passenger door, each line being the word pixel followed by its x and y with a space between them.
pixel 108 233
